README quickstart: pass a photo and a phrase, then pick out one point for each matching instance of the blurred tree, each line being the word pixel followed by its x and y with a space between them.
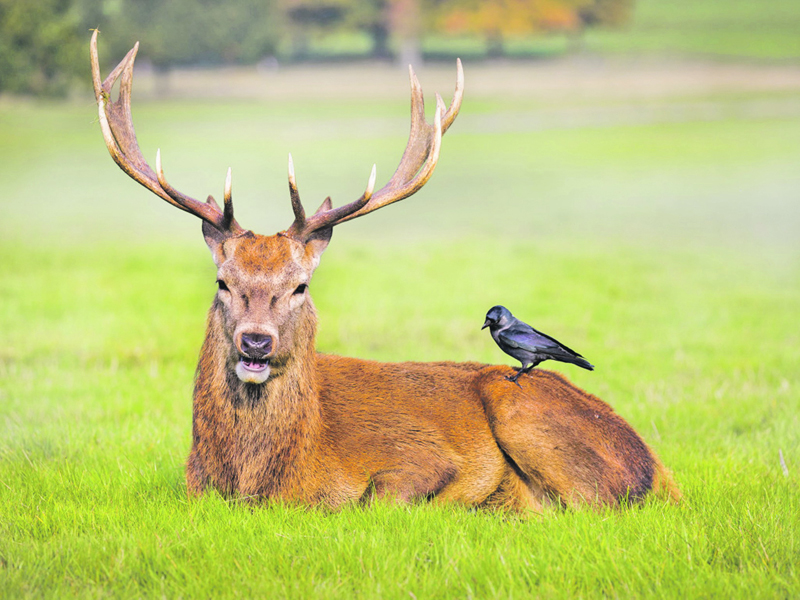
pixel 601 13
pixel 180 32
pixel 318 17
pixel 306 18
pixel 496 20
pixel 43 44
pixel 387 22
pixel 605 12
pixel 406 17
pixel 373 17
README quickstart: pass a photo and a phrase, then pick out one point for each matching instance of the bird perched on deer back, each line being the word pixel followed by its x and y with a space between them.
pixel 527 345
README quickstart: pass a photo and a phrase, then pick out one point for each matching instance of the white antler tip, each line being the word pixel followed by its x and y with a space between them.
pixel 291 167
pixel 228 184
pixel 158 161
pixel 413 77
pixel 371 183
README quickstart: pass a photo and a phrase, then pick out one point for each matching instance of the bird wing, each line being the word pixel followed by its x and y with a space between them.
pixel 527 338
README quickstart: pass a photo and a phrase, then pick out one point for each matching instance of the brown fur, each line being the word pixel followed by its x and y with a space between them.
pixel 330 429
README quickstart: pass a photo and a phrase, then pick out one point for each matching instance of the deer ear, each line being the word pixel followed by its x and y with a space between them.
pixel 317 242
pixel 214 239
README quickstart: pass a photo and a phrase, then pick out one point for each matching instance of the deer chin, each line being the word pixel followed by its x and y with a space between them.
pixel 252 370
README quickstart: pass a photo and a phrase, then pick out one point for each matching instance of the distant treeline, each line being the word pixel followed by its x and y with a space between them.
pixel 43 43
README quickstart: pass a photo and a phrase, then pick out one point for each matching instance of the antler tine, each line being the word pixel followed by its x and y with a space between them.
pixel 329 218
pixel 297 206
pixel 120 137
pixel 419 158
pixel 406 182
pixel 458 95
pixel 326 216
pixel 228 203
pixel 418 138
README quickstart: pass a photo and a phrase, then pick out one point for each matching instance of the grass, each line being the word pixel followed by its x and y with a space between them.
pixel 664 250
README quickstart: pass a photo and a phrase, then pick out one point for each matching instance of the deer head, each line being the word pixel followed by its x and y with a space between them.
pixel 263 298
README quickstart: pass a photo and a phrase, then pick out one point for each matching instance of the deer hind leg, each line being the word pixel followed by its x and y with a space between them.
pixel 517 493
pixel 565 443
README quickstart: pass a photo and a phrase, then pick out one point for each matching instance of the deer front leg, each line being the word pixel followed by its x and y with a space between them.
pixel 196 477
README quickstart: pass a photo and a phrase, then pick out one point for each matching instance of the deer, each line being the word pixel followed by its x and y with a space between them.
pixel 273 419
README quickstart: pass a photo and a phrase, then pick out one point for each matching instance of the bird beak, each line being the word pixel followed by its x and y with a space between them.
pixel 485 325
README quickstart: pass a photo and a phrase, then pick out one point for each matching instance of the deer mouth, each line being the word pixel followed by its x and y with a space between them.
pixel 254 364
pixel 252 370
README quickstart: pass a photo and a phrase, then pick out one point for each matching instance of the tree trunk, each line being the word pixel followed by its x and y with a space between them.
pixel 494 45
pixel 380 40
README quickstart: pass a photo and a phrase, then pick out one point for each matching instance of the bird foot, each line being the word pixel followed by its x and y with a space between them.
pixel 520 371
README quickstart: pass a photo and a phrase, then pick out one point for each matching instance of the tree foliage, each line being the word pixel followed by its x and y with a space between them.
pixel 180 32
pixel 496 19
pixel 40 45
pixel 43 43
pixel 317 17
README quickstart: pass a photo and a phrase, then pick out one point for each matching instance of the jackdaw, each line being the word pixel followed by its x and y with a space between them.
pixel 527 345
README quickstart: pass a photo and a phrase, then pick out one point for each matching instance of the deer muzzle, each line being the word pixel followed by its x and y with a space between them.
pixel 255 350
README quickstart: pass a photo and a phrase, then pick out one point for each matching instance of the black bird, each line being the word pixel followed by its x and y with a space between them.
pixel 527 345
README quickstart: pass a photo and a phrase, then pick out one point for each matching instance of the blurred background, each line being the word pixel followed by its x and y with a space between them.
pixel 43 41
pixel 582 117
pixel 609 131
pixel 599 129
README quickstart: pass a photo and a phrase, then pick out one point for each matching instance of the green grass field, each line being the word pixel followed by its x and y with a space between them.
pixel 660 240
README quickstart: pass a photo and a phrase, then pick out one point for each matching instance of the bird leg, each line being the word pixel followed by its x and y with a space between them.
pixel 521 371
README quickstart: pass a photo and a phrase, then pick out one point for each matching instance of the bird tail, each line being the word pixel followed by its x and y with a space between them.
pixel 582 362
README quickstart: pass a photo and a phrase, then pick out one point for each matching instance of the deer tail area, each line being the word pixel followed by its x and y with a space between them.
pixel 664 485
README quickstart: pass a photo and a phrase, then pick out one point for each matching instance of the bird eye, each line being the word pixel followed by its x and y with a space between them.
pixel 301 289
pixel 222 285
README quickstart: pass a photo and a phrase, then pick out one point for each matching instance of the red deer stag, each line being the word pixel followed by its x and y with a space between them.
pixel 272 418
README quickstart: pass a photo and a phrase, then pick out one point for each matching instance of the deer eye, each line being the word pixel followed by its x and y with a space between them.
pixel 222 285
pixel 301 289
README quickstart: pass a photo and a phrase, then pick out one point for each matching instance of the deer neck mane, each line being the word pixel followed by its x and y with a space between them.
pixel 268 432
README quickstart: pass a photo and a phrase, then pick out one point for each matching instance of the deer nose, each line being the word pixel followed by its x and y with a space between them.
pixel 256 345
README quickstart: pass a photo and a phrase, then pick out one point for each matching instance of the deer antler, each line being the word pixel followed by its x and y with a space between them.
pixel 415 168
pixel 120 137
